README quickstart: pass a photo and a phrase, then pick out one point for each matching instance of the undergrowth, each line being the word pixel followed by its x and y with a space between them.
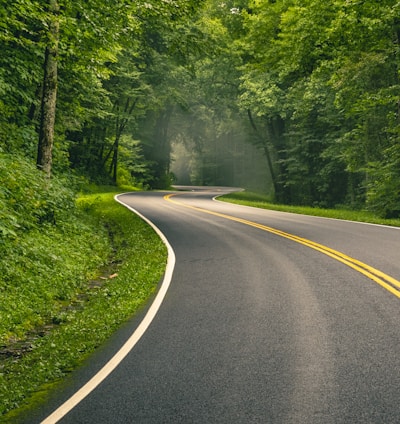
pixel 68 278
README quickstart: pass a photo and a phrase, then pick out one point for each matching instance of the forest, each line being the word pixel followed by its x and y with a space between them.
pixel 296 99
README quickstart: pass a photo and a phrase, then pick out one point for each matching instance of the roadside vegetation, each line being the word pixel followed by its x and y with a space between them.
pixel 265 202
pixel 69 277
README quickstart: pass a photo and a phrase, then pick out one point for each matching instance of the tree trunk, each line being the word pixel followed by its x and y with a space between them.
pixel 114 160
pixel 120 125
pixel 49 97
pixel 267 153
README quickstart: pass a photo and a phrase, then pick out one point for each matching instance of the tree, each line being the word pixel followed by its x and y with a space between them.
pixel 366 80
pixel 263 89
pixel 290 77
pixel 137 90
pixel 20 75
pixel 49 96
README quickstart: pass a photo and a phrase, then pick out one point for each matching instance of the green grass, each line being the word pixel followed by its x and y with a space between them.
pixel 264 202
pixel 58 302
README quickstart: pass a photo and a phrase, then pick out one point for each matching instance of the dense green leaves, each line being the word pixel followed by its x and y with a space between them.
pixel 106 67
pixel 28 200
pixel 314 85
pixel 328 71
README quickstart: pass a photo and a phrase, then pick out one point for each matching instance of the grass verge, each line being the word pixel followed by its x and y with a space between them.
pixel 264 202
pixel 118 261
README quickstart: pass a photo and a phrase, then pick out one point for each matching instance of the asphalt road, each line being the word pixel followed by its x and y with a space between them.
pixel 256 326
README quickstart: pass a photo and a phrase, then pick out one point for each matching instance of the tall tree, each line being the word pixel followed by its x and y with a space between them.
pixel 21 70
pixel 49 96
pixel 263 88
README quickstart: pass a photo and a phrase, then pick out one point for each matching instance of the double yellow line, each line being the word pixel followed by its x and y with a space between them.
pixel 386 281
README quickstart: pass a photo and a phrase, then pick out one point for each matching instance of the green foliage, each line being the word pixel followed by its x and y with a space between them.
pixel 107 78
pixel 336 93
pixel 322 102
pixel 44 248
pixel 20 73
pixel 28 198
pixel 384 184
pixel 61 303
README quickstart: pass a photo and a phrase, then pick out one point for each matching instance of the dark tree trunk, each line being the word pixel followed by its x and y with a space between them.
pixel 266 149
pixel 120 125
pixel 49 97
pixel 114 161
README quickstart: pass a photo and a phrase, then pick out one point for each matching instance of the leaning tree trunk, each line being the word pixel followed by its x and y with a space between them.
pixel 267 153
pixel 49 97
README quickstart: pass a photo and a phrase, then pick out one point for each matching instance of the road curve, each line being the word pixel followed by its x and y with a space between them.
pixel 255 327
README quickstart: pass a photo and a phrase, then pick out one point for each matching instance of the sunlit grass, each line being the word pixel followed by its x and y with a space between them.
pixel 264 202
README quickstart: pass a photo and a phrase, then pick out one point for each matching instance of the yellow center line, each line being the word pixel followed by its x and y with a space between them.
pixel 384 280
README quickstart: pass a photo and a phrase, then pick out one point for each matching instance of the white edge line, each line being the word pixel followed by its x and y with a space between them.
pixel 101 375
pixel 215 199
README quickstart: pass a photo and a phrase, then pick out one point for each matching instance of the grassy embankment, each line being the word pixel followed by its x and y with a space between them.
pixel 68 280
pixel 264 202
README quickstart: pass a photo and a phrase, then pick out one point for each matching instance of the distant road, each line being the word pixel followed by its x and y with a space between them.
pixel 270 317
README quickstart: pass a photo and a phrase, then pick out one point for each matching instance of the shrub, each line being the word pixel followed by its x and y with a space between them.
pixel 28 199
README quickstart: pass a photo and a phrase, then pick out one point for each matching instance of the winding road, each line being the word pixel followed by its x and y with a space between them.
pixel 269 317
